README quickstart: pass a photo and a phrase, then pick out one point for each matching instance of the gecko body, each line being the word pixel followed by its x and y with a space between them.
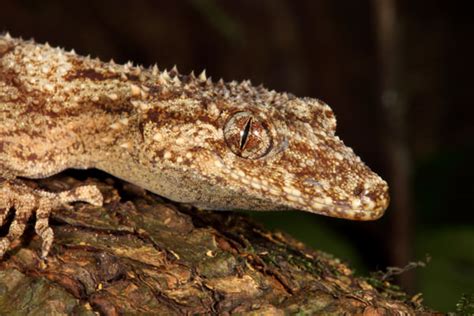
pixel 215 145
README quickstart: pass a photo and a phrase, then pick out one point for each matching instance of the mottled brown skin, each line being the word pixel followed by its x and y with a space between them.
pixel 215 145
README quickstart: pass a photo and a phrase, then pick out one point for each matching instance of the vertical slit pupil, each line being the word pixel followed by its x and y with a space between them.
pixel 245 134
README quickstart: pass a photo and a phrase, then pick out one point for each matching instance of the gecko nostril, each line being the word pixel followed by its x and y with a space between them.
pixel 358 190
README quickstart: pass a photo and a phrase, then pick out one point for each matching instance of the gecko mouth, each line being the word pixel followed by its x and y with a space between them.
pixel 371 210
pixel 368 202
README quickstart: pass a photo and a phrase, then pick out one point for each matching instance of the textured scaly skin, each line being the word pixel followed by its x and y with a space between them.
pixel 215 145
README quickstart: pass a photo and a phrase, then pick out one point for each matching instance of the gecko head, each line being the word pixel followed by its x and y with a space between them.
pixel 286 150
pixel 242 147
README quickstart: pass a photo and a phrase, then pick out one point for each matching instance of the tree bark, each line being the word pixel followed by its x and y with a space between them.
pixel 141 254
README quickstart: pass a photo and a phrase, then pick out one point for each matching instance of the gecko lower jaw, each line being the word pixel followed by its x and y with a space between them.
pixel 346 210
pixel 367 203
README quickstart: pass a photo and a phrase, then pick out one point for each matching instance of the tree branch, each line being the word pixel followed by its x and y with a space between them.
pixel 142 254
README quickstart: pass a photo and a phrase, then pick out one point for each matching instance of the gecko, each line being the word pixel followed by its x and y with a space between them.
pixel 212 144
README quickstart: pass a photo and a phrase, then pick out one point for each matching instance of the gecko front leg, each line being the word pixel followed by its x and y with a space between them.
pixel 25 201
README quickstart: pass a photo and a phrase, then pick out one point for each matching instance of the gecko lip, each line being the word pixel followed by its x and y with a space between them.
pixel 367 203
pixel 345 210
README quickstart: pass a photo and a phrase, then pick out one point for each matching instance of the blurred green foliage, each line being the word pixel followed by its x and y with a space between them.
pixel 450 273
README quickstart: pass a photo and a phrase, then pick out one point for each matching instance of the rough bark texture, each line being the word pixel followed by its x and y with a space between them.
pixel 140 254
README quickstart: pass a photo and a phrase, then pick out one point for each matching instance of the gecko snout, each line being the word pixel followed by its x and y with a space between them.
pixel 373 196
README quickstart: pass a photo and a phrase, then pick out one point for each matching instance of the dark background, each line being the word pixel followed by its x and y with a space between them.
pixel 397 74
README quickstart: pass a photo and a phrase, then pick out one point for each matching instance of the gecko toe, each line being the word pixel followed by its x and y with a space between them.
pixel 26 201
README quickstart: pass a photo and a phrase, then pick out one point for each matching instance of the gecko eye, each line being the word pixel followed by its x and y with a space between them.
pixel 247 136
